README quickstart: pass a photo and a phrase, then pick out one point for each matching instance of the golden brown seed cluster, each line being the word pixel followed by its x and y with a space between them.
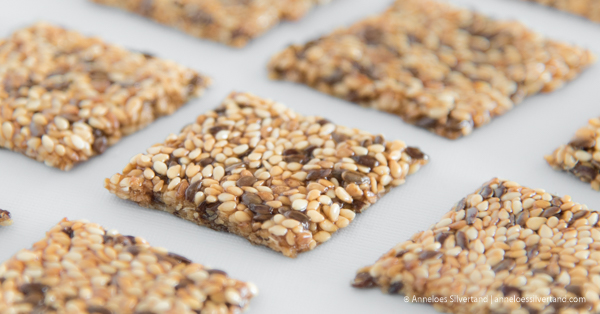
pixel 586 8
pixel 502 241
pixel 5 219
pixel 232 22
pixel 257 169
pixel 81 268
pixel 581 156
pixel 445 69
pixel 65 98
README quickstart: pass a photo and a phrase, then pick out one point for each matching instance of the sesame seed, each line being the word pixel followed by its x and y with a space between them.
pixel 173 172
pixel 25 256
pixel 535 223
pixel 160 167
pixel 278 230
pixel 47 143
pixel 300 204
pixel 343 195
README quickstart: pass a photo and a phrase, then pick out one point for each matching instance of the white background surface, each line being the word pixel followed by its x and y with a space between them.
pixel 511 147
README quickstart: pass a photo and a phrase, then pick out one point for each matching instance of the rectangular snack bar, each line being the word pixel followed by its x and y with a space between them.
pixel 581 156
pixel 445 69
pixel 504 249
pixel 232 22
pixel 81 268
pixel 65 98
pixel 589 9
pixel 5 219
pixel 257 169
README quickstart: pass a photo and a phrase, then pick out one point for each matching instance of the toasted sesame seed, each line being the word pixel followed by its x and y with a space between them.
pixel 322 236
pixel 315 216
pixel 160 167
pixel 25 256
pixel 300 204
pixel 343 195
pixel 241 216
pixel 290 223
pixel 47 143
pixel 228 207
pixel 174 183
pixel 535 223
pixel 7 130
pixel 173 172
pixel 278 230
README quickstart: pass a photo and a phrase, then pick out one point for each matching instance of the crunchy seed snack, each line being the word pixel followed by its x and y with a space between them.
pixel 232 22
pixel 581 156
pixel 504 240
pixel 5 218
pixel 65 98
pixel 586 8
pixel 257 169
pixel 445 69
pixel 81 268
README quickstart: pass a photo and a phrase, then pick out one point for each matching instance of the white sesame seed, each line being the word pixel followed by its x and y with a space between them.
pixel 278 230
pixel 322 236
pixel 228 207
pixel 290 223
pixel 300 204
pixel 174 183
pixel 315 216
pixel 241 216
pixel 61 123
pixel 160 167
pixel 240 149
pixel 26 256
pixel 341 193
pixel 173 172
pixel 225 197
pixel 48 143
pixel 218 173
pixel 77 141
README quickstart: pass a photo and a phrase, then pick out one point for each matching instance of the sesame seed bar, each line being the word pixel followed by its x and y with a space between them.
pixel 65 98
pixel 442 68
pixel 81 268
pixel 589 9
pixel 503 241
pixel 257 169
pixel 581 156
pixel 232 22
pixel 5 219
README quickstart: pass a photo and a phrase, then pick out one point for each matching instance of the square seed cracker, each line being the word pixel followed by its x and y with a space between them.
pixel 255 168
pixel 5 219
pixel 589 9
pixel 81 268
pixel 503 241
pixel 65 98
pixel 581 156
pixel 442 68
pixel 232 22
